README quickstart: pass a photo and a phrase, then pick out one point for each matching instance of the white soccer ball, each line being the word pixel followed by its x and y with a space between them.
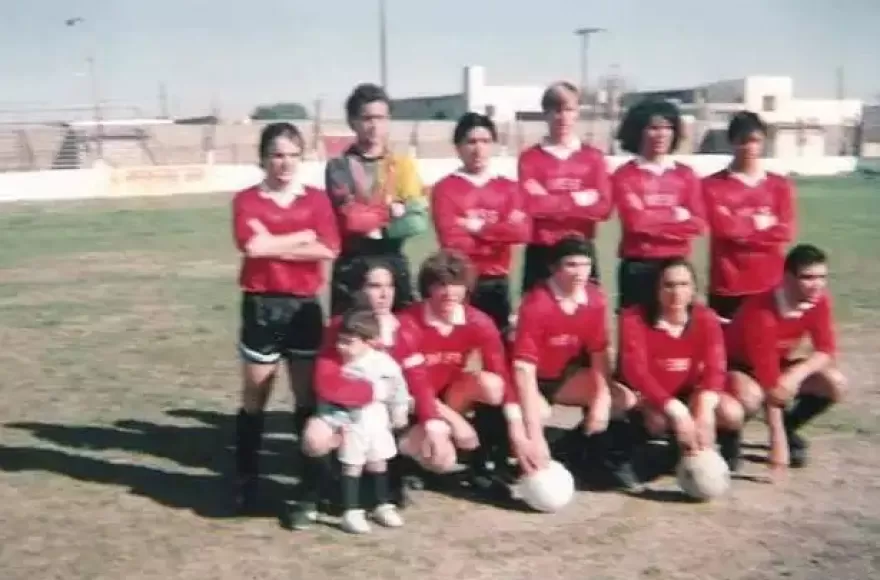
pixel 703 476
pixel 547 490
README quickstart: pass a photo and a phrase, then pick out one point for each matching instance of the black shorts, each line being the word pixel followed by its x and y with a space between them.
pixel 492 295
pixel 725 306
pixel 536 267
pixel 549 388
pixel 279 325
pixel 636 280
pixel 348 272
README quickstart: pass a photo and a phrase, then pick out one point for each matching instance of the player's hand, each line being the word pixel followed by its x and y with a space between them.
pixel 584 198
pixel 597 419
pixel 307 237
pixel 397 209
pixel 532 187
pixel 464 435
pixel 686 434
pixel 764 221
pixel 472 224
pixel 681 214
pixel 258 228
pixel 532 454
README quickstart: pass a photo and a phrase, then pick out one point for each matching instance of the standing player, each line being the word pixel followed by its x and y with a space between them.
pixel 285 232
pixel 659 200
pixel 761 341
pixel 401 338
pixel 452 332
pixel 481 215
pixel 378 198
pixel 751 217
pixel 565 182
pixel 672 354
pixel 560 356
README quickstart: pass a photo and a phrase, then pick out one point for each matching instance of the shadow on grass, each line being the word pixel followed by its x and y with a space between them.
pixel 206 448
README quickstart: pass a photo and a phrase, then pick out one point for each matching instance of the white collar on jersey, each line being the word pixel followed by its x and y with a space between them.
pixel 673 330
pixel 785 308
pixel 477 179
pixel 749 180
pixel 283 197
pixel 562 150
pixel 388 325
pixel 580 296
pixel 457 318
pixel 658 166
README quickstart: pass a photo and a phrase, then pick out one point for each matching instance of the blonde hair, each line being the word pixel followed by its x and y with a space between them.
pixel 558 94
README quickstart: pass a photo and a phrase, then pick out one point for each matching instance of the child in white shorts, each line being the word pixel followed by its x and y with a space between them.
pixel 367 439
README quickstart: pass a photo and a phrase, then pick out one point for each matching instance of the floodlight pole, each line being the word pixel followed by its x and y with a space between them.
pixel 584 34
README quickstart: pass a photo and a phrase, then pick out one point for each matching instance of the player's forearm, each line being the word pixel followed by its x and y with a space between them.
pixel 797 373
pixel 309 252
pixel 525 378
pixel 447 413
pixel 275 246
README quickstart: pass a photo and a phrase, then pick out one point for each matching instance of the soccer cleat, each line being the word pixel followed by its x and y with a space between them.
pixel 246 494
pixel 625 478
pixel 303 516
pixel 387 515
pixel 729 447
pixel 797 451
pixel 355 522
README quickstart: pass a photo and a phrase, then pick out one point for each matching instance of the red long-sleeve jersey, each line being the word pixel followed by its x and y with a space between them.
pixel 331 386
pixel 550 338
pixel 744 259
pixel 497 206
pixel 649 201
pixel 765 330
pixel 311 210
pixel 659 365
pixel 447 354
pixel 556 214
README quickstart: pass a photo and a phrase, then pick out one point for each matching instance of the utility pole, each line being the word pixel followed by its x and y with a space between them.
pixel 93 81
pixel 383 46
pixel 585 34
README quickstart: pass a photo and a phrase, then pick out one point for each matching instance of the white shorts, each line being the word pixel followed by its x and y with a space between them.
pixel 368 439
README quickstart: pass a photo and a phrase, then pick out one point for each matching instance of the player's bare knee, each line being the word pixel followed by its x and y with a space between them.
pixel 837 384
pixel 319 438
pixel 729 414
pixel 655 424
pixel 350 470
pixel 375 467
pixel 622 399
pixel 491 388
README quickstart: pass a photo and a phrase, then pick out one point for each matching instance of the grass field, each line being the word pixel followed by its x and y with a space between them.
pixel 118 323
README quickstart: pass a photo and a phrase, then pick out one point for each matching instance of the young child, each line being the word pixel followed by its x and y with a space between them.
pixel 367 441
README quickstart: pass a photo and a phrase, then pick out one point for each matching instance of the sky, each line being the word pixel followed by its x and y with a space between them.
pixel 236 54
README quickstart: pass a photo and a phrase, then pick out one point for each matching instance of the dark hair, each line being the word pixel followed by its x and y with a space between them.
pixel 363 267
pixel 361 322
pixel 445 267
pixel 273 131
pixel 743 124
pixel 570 246
pixel 638 118
pixel 361 96
pixel 652 306
pixel 557 94
pixel 803 256
pixel 470 121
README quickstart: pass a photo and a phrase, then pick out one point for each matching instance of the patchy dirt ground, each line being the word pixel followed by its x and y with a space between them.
pixel 117 327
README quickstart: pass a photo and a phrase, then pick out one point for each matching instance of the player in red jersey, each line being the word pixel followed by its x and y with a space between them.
pixel 565 182
pixel 672 354
pixel 286 232
pixel 374 281
pixel 452 332
pixel 751 217
pixel 378 198
pixel 658 200
pixel 761 340
pixel 481 215
pixel 560 356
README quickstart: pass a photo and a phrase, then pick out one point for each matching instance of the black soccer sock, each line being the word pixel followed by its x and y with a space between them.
pixel 617 442
pixel 380 488
pixel 248 439
pixel 491 428
pixel 805 409
pixel 351 488
pixel 316 474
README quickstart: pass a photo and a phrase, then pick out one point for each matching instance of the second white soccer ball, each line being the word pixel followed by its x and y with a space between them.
pixel 547 490
pixel 703 476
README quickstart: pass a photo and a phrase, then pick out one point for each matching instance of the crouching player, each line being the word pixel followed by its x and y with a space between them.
pixel 761 341
pixel 452 332
pixel 560 356
pixel 672 355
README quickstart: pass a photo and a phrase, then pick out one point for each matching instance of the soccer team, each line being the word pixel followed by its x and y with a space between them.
pixel 388 387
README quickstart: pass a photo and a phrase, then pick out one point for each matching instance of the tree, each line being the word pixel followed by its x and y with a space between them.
pixel 280 111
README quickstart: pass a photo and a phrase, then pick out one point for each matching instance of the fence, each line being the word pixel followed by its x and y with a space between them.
pixel 28 147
